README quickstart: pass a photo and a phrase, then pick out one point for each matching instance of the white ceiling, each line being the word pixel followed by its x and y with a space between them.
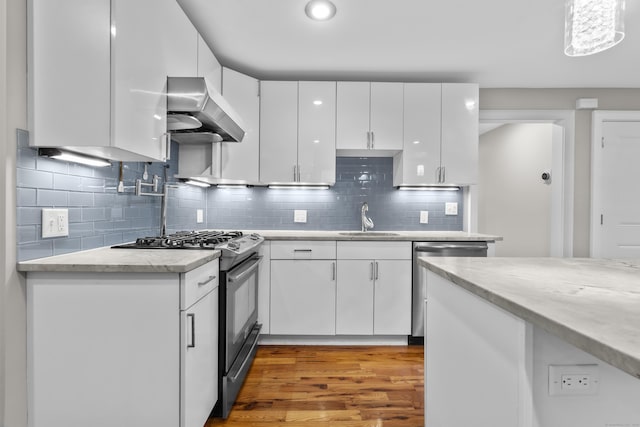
pixel 496 43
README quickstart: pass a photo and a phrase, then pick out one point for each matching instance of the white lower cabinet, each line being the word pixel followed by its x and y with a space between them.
pixel 122 349
pixel 340 288
pixel 303 288
pixel 303 297
pixel 374 288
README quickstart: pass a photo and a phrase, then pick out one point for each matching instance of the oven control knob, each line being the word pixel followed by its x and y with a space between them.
pixel 234 246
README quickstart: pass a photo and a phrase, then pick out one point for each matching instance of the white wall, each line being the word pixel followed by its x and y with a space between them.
pixel 13 109
pixel 565 99
pixel 513 201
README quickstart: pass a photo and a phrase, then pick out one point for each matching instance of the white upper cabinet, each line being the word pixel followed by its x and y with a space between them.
pixel 240 161
pixel 69 72
pixel 440 135
pixel 420 157
pixel 460 133
pixel 97 76
pixel 317 132
pixel 369 118
pixel 278 131
pixel 297 132
pixel 208 66
pixel 145 50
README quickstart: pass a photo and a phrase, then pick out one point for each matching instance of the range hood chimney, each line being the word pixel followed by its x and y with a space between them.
pixel 197 113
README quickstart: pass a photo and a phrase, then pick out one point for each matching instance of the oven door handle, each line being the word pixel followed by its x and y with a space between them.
pixel 251 265
pixel 253 346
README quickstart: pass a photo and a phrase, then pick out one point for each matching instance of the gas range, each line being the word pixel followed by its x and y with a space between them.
pixel 234 245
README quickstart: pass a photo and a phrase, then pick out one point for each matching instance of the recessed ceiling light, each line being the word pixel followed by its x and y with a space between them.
pixel 320 10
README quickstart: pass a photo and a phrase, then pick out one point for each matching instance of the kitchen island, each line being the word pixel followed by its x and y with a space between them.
pixel 496 325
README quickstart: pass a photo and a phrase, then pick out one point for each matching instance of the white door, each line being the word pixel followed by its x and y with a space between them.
pixel 352 115
pixel 278 131
pixel 317 132
pixel 386 115
pixel 616 213
pixel 513 200
pixel 199 356
pixel 303 297
pixel 392 302
pixel 354 298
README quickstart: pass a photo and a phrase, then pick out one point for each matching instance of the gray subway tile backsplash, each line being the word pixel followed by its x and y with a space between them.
pixel 100 216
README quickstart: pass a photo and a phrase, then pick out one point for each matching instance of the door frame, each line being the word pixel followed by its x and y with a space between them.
pixel 563 166
pixel 598 118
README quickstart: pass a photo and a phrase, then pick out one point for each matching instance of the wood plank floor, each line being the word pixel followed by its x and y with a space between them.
pixel 332 386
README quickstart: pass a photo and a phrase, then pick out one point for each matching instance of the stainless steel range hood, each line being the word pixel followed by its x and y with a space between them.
pixel 197 113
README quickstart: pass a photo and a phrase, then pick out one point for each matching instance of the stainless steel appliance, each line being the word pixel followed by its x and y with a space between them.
pixel 238 301
pixel 434 249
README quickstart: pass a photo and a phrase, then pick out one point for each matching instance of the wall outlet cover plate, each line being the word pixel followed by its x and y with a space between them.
pixel 451 208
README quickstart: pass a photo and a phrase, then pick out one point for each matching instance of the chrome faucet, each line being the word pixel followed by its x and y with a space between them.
pixel 367 223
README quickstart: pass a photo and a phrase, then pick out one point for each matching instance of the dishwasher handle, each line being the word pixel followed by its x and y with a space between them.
pixel 445 246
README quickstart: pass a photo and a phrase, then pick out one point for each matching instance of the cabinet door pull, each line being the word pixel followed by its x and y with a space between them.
pixel 373 140
pixel 167 146
pixel 295 169
pixel 192 321
pixel 376 270
pixel 299 173
pixel 368 140
pixel 211 278
pixel 438 174
pixel 371 275
pixel 444 174
pixel 333 270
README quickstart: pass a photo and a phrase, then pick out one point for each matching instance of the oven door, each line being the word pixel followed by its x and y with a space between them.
pixel 242 306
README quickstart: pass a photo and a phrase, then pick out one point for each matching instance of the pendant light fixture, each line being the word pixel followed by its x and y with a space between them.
pixel 320 10
pixel 592 26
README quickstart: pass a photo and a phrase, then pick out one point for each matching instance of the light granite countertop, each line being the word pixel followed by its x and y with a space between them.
pixel 374 235
pixel 593 304
pixel 107 260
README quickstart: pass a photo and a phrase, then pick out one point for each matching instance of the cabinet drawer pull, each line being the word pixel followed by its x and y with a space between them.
pixel 303 250
pixel 210 279
pixel 192 321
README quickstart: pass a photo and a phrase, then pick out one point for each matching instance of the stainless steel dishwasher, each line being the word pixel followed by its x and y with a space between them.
pixel 431 249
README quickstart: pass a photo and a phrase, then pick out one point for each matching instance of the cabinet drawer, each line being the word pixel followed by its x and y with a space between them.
pixel 197 283
pixel 303 250
pixel 373 250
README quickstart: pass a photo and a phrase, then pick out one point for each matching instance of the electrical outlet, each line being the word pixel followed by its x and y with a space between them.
pixel 299 215
pixel 424 217
pixel 573 379
pixel 451 208
pixel 199 216
pixel 55 223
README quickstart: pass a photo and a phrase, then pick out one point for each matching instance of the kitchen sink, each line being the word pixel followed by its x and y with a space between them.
pixel 367 233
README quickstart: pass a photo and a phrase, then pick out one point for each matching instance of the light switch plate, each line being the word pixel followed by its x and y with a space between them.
pixel 424 217
pixel 55 223
pixel 451 208
pixel 300 215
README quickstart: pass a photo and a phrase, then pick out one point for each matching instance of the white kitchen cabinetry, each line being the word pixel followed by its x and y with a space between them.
pixel 440 135
pixel 135 348
pixel 297 132
pixel 374 288
pixel 240 162
pixel 208 66
pixel 369 118
pixel 303 288
pixel 97 77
